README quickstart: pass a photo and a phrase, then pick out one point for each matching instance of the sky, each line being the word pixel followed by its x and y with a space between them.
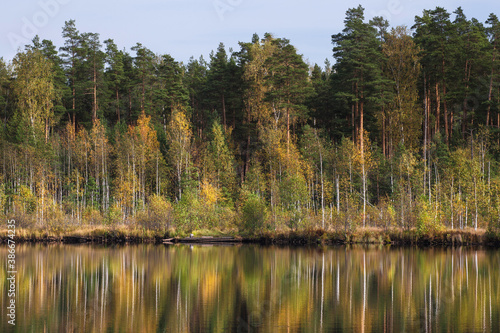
pixel 185 28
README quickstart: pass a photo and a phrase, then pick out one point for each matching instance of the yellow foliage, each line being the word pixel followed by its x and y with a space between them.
pixel 210 285
pixel 92 216
pixel 124 193
pixel 254 75
pixel 363 155
pixel 35 91
pixel 210 193
pixel 25 201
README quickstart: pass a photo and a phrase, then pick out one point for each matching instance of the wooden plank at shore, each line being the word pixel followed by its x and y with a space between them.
pixel 209 240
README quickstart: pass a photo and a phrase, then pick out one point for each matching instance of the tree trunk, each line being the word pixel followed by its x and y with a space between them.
pixel 362 148
pixel 445 110
pixel 338 193
pixel 94 92
pixel 425 129
pixel 287 132
pixel 46 130
pixel 451 202
pixel 475 202
pixel 384 152
pixel 224 112
pixel 117 105
pixel 438 105
pixel 491 87
pixel 322 185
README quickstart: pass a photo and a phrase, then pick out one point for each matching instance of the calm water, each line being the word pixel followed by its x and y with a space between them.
pixel 146 288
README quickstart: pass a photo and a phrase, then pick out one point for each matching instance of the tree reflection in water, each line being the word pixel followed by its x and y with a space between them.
pixel 148 288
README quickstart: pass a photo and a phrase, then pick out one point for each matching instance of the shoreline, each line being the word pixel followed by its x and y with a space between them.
pixel 397 237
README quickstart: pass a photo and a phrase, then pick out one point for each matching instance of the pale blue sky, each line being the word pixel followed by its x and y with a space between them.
pixel 185 28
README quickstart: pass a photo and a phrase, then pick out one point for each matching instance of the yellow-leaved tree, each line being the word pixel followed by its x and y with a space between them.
pixel 139 162
pixel 179 139
pixel 35 94
pixel 363 162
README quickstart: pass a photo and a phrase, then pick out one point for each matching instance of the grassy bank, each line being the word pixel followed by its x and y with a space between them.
pixel 383 236
pixel 117 235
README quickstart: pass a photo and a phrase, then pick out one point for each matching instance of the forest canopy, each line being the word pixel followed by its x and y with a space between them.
pixel 402 130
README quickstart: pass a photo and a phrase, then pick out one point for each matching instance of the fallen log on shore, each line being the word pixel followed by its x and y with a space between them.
pixel 208 240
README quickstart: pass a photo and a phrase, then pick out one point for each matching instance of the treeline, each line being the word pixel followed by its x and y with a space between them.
pixel 403 130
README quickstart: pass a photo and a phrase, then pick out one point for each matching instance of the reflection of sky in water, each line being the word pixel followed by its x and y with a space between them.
pixel 150 288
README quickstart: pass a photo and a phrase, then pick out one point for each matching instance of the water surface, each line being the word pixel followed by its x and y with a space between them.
pixel 182 288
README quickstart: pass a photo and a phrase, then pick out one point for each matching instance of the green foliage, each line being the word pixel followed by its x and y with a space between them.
pixel 113 216
pixel 179 139
pixel 25 200
pixel 220 164
pixel 3 199
pixel 161 212
pixel 187 212
pixel 400 132
pixel 254 214
pixel 287 78
pixel 158 214
pixel 35 94
pixel 255 181
pixel 293 191
pixel 426 219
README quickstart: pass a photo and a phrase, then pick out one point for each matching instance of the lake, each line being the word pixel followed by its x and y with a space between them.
pixel 251 288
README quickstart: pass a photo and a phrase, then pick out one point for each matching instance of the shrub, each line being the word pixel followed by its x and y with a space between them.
pixel 92 216
pixel 54 218
pixel 161 213
pixel 426 223
pixel 158 215
pixel 187 212
pixel 254 214
pixel 114 215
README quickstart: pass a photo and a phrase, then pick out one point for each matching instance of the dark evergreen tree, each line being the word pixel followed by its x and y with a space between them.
pixel 288 82
pixel 115 77
pixel 93 73
pixel 492 103
pixel 467 71
pixel 170 91
pixel 358 68
pixel 195 80
pixel 432 34
pixel 217 86
pixel 72 59
pixel 145 67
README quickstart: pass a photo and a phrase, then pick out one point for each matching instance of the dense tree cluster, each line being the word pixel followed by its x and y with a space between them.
pixel 403 130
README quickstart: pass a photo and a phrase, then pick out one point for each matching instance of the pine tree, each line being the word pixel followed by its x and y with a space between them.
pixel 195 80
pixel 5 96
pixel 72 58
pixel 358 56
pixel 217 82
pixel 288 83
pixel 433 30
pixel 402 123
pixel 170 91
pixel 468 68
pixel 144 63
pixel 93 70
pixel 115 74
pixel 357 52
pixel 493 32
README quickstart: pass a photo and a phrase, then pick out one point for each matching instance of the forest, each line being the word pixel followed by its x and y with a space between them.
pixel 400 130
